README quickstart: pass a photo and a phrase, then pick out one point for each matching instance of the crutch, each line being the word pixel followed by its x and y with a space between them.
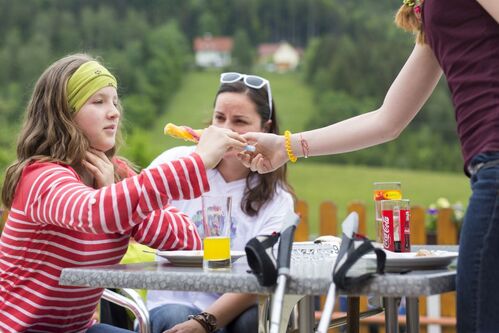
pixel 349 228
pixel 283 270
pixel 345 274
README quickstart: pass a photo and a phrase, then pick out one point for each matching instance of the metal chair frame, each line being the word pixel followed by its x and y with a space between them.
pixel 131 300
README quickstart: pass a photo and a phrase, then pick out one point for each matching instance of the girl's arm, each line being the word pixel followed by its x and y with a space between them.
pixel 225 309
pixel 229 306
pixel 53 194
pixel 167 229
pixel 492 7
pixel 407 94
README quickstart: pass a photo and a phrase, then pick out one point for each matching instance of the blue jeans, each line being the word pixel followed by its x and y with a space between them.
pixel 166 316
pixel 105 328
pixel 478 262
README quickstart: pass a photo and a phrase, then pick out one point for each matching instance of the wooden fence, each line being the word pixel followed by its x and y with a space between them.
pixel 446 234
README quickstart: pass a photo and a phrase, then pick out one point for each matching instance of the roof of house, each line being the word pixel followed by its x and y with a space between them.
pixel 267 49
pixel 208 43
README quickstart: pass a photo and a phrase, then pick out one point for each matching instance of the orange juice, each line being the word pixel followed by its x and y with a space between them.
pixel 216 252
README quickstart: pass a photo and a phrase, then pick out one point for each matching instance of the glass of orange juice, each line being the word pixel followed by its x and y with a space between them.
pixel 217 226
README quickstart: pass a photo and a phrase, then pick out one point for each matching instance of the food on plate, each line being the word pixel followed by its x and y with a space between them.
pixel 327 239
pixel 424 253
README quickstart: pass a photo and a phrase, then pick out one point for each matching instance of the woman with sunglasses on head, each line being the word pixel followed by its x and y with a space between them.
pixel 74 203
pixel 461 39
pixel 259 202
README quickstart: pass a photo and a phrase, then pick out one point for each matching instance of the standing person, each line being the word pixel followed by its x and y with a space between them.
pixel 73 203
pixel 243 103
pixel 461 39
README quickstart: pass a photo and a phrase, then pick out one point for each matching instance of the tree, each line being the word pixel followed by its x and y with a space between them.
pixel 242 54
pixel 167 55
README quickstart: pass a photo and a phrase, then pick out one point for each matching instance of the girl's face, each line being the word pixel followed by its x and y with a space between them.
pixel 237 112
pixel 99 118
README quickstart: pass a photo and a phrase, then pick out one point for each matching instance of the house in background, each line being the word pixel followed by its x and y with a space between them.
pixel 213 51
pixel 280 57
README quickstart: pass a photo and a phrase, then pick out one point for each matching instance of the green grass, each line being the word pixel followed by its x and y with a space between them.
pixel 313 182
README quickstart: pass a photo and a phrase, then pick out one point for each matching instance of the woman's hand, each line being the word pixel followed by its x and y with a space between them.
pixel 100 167
pixel 270 152
pixel 214 142
pixel 189 326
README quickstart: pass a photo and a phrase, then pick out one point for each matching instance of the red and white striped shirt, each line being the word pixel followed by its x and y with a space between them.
pixel 57 222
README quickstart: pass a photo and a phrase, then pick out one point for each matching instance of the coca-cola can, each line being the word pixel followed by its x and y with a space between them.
pixel 396 216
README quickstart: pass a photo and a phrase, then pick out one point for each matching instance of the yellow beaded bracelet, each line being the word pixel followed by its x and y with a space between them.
pixel 287 144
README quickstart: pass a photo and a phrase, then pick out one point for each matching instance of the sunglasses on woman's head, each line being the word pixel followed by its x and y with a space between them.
pixel 252 81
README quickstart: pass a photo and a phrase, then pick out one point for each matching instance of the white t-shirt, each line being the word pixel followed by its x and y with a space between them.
pixel 244 227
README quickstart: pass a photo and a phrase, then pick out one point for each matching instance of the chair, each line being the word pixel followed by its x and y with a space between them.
pixel 127 299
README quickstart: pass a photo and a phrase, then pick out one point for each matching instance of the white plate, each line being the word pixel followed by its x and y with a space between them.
pixel 192 258
pixel 404 261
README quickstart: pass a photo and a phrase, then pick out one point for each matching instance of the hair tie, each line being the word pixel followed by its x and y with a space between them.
pixel 416 7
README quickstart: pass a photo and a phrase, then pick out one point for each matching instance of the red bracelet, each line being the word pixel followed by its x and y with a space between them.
pixel 304 146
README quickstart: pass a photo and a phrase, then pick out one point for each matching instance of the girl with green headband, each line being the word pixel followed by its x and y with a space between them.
pixel 73 203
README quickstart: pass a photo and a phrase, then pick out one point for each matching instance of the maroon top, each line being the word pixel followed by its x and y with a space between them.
pixel 465 40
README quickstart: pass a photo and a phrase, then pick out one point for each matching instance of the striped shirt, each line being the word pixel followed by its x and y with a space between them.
pixel 57 222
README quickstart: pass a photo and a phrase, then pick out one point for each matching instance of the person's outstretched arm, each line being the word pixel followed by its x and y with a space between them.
pixel 492 7
pixel 407 94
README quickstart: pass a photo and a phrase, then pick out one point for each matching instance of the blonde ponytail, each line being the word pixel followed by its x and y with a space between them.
pixel 408 18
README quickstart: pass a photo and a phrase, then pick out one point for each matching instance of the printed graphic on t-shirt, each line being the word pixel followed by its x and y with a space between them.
pixel 197 219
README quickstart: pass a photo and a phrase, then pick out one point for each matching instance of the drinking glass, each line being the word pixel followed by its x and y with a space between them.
pixel 384 191
pixel 216 225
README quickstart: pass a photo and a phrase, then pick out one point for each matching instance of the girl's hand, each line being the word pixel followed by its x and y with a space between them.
pixel 270 152
pixel 214 142
pixel 100 167
pixel 189 326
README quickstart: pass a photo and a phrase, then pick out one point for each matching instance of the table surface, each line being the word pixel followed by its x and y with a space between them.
pixel 309 278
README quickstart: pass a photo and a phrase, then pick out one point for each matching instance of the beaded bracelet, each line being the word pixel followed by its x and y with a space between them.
pixel 287 144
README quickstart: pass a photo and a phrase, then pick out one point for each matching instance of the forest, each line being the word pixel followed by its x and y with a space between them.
pixel 352 53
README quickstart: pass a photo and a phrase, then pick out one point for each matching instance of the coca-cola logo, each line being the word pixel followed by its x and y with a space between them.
pixel 386 232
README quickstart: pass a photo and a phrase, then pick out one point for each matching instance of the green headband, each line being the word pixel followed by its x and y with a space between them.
pixel 88 79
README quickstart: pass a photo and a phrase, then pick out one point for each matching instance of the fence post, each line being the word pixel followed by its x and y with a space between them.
pixel 302 230
pixel 360 208
pixel 3 217
pixel 328 219
pixel 418 226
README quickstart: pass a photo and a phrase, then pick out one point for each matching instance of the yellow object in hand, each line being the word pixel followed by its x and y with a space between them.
pixel 183 132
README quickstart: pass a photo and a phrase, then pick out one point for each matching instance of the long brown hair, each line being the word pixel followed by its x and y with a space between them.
pixel 49 132
pixel 408 18
pixel 256 196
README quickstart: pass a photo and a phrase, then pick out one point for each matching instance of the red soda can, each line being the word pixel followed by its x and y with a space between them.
pixel 395 216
